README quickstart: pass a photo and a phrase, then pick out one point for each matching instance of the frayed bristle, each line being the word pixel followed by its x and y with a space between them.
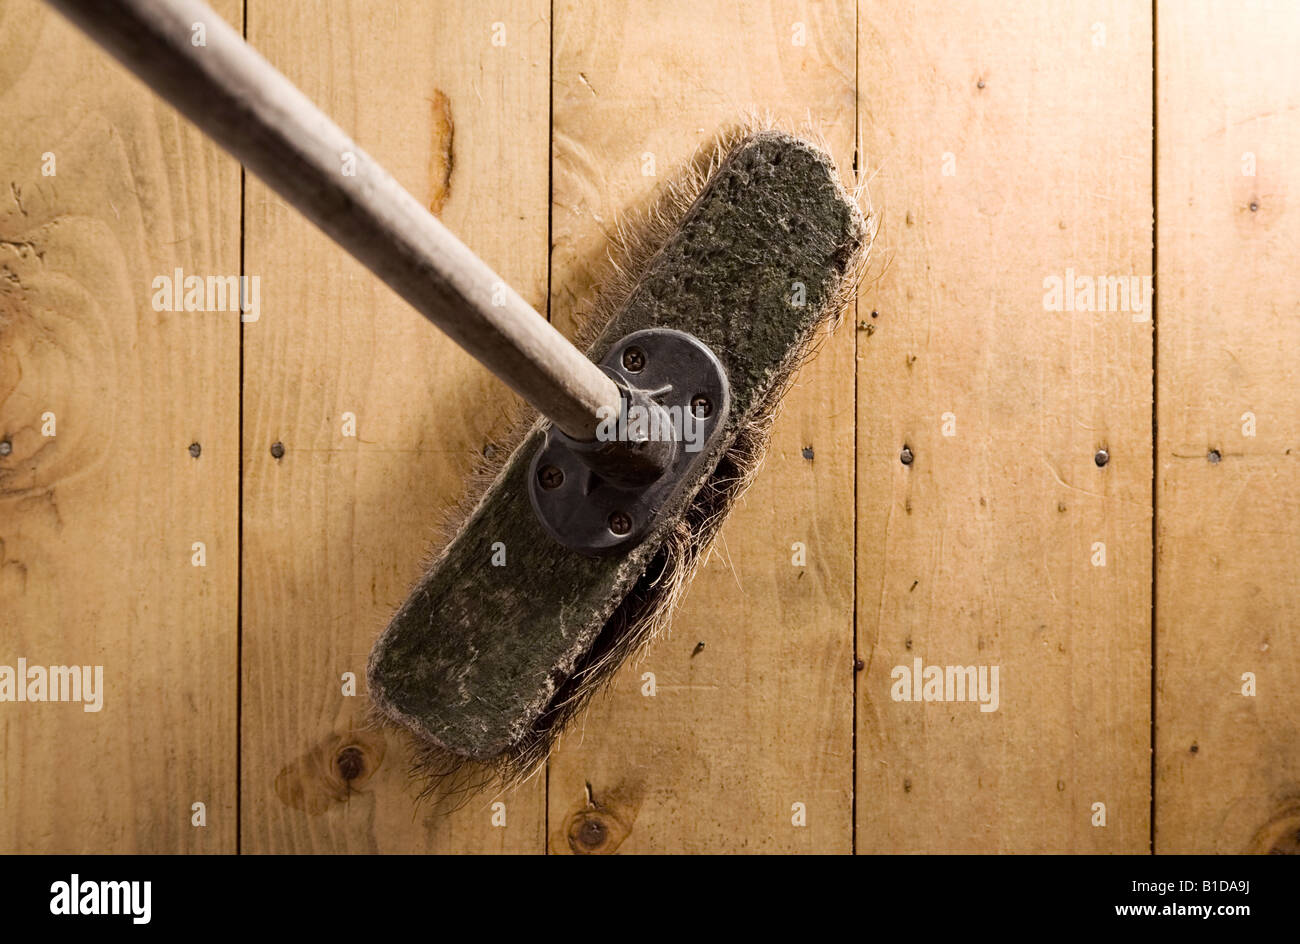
pixel 647 610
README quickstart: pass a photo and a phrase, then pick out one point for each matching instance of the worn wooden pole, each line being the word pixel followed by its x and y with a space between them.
pixel 192 58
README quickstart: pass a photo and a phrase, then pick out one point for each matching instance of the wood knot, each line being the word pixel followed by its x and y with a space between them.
pixel 336 768
pixel 1286 844
pixel 599 826
pixel 1281 834
pixel 351 762
pixel 58 342
pixel 592 832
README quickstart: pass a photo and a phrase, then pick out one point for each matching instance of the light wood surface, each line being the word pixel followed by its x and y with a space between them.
pixel 980 553
pixel 1005 144
pixel 247 106
pixel 759 719
pixel 98 521
pixel 1228 598
pixel 335 529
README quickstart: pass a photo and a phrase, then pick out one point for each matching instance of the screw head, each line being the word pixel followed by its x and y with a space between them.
pixel 1101 458
pixel 906 456
pixel 589 833
pixel 592 832
pixel 6 447
pixel 195 449
pixel 620 523
pixel 277 450
pixel 701 405
pixel 634 360
pixel 1214 456
pixel 550 476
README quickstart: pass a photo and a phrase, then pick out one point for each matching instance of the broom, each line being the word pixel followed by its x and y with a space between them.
pixel 607 502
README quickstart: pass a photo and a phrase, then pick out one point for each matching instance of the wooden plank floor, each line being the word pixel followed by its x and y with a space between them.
pixel 974 472
pixel 119 547
pixel 333 343
pixel 1228 480
pixel 983 551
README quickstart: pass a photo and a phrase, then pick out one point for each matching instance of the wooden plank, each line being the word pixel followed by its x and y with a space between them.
pixel 759 718
pixel 1008 145
pixel 98 520
pixel 1228 602
pixel 335 528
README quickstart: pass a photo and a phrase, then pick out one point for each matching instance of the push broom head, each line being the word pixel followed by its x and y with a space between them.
pixel 755 251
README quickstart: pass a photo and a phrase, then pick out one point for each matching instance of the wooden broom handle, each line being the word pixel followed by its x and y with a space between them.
pixel 244 104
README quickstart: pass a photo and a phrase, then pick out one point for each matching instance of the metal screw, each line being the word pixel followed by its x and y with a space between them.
pixel 6 447
pixel 1214 456
pixel 550 476
pixel 277 450
pixel 701 405
pixel 592 833
pixel 620 523
pixel 905 456
pixel 634 360
pixel 195 449
pixel 1101 458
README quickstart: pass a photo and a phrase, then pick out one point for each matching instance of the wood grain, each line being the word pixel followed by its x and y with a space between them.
pixel 334 529
pixel 758 718
pixel 97 521
pixel 1006 145
pixel 1228 601
pixel 248 107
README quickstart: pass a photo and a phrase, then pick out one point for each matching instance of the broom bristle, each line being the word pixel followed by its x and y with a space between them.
pixel 646 611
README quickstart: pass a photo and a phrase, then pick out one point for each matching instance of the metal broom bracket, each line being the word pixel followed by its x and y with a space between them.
pixel 599 496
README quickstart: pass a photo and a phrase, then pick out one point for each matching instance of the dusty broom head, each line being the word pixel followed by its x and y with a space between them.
pixel 756 251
